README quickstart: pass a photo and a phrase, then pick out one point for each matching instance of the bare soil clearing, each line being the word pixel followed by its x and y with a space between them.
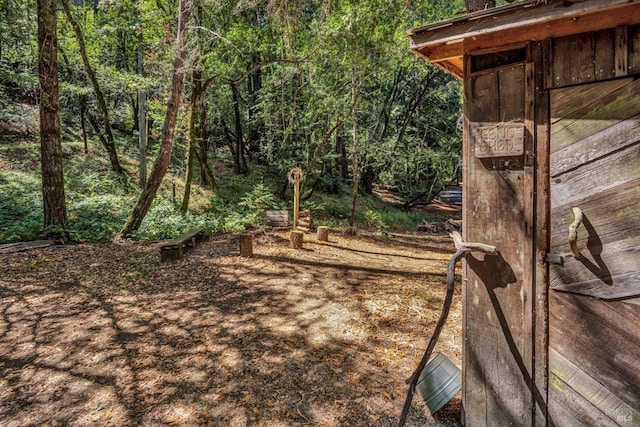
pixel 326 335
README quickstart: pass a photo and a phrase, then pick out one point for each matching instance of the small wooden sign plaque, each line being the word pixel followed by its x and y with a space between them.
pixel 500 140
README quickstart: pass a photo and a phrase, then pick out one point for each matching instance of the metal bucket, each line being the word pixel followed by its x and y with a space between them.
pixel 439 381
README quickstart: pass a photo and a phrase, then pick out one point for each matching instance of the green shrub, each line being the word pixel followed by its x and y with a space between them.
pixel 165 221
pixel 21 216
pixel 401 219
pixel 98 217
pixel 20 223
pixel 373 219
pixel 334 210
pixel 256 202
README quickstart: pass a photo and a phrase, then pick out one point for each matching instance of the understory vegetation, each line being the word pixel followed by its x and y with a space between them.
pixel 329 87
pixel 99 200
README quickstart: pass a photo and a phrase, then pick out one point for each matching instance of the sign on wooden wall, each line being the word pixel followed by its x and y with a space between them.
pixel 498 140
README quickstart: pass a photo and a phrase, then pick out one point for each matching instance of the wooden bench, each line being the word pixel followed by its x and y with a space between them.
pixel 174 248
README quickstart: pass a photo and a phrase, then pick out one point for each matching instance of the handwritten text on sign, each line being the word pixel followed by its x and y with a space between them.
pixel 501 140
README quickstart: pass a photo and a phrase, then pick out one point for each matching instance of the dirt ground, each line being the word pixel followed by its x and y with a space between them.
pixel 327 335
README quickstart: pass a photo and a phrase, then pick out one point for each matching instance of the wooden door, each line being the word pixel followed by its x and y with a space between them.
pixel 594 302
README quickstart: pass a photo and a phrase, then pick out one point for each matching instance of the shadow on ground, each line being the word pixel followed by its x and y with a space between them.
pixel 107 335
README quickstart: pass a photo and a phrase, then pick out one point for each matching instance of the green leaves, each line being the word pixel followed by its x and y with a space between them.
pixel 294 64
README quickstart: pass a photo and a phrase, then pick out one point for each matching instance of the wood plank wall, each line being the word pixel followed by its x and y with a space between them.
pixel 595 165
pixel 533 356
pixel 594 361
pixel 594 56
pixel 497 296
pixel 594 343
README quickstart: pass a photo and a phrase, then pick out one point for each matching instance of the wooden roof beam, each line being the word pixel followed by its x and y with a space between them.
pixel 519 22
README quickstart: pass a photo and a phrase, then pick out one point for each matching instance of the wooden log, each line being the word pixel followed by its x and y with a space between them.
pixel 296 238
pixel 304 223
pixel 246 245
pixel 25 246
pixel 323 233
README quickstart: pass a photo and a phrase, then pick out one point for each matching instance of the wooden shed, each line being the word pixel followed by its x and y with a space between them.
pixel 552 123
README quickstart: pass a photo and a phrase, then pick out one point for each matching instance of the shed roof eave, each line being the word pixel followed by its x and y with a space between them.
pixel 470 17
pixel 528 14
pixel 452 66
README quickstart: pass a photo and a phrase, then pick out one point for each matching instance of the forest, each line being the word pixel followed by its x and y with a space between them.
pixel 144 118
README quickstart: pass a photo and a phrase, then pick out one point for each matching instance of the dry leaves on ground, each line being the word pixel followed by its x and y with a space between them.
pixel 326 335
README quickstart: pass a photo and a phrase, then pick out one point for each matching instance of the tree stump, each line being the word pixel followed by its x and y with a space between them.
pixel 296 238
pixel 323 233
pixel 246 245
pixel 351 231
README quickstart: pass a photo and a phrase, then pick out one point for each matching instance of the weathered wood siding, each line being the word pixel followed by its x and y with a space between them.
pixel 594 304
pixel 549 344
pixel 497 299
pixel 578 99
pixel 595 165
pixel 594 359
pixel 594 56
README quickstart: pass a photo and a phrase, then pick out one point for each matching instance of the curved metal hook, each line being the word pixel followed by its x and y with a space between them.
pixel 573 232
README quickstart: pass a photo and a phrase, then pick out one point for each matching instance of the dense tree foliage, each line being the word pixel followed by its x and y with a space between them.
pixel 271 83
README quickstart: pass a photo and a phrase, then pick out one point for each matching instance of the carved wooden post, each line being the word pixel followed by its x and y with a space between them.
pixel 323 233
pixel 246 245
pixel 295 176
pixel 296 238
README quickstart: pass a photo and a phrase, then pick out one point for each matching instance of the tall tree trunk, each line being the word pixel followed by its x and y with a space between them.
pixel 142 139
pixel 475 5
pixel 239 148
pixel 354 197
pixel 228 137
pixel 200 88
pixel 93 121
pixel 142 119
pixel 162 161
pixel 134 113
pixel 82 101
pixel 188 174
pixel 256 124
pixel 197 122
pixel 196 77
pixel 197 127
pixel 203 149
pixel 341 157
pixel 111 145
pixel 203 146
pixel 55 211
